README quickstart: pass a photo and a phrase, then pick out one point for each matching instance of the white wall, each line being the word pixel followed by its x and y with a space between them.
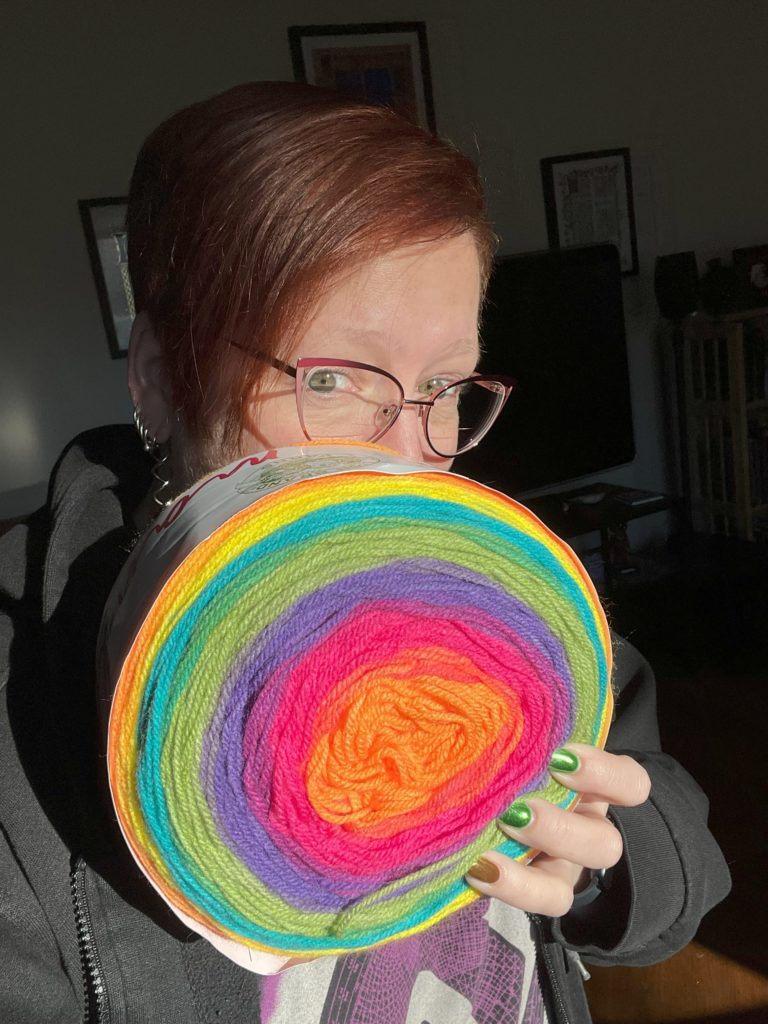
pixel 681 82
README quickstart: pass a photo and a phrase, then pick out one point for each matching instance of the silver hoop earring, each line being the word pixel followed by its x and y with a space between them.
pixel 160 454
pixel 149 442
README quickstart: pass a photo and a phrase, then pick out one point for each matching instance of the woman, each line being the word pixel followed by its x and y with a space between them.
pixel 277 233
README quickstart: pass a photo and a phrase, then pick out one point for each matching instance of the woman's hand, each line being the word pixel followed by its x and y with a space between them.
pixel 569 841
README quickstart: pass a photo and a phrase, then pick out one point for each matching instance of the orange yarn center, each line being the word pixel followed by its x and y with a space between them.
pixel 393 734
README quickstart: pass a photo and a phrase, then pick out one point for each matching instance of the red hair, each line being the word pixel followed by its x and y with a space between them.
pixel 243 209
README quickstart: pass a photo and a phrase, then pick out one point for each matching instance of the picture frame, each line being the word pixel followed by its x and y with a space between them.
pixel 379 62
pixel 104 227
pixel 588 200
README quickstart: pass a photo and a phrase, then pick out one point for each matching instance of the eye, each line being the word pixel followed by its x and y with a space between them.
pixel 324 381
pixel 453 389
pixel 429 387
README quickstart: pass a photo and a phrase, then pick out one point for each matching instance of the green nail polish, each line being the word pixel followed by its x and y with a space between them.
pixel 563 761
pixel 518 815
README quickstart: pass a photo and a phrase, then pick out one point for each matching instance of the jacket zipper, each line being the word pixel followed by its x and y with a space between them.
pixel 546 957
pixel 94 988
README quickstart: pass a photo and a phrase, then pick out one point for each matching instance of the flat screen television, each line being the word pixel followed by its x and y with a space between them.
pixel 555 321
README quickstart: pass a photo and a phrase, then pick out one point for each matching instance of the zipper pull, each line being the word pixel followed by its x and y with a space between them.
pixel 574 956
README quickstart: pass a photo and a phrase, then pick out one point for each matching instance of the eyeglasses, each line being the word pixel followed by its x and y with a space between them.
pixel 340 399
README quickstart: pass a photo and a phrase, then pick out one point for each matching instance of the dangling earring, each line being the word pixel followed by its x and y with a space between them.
pixel 160 454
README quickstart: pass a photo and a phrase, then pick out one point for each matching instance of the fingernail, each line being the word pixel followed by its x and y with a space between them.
pixel 518 815
pixel 484 871
pixel 564 761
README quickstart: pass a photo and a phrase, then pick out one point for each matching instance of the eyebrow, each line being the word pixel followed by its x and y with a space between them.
pixel 370 333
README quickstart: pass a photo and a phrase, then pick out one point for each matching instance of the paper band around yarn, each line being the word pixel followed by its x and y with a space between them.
pixel 338 690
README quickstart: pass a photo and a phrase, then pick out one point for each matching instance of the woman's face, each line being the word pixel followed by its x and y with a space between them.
pixel 412 312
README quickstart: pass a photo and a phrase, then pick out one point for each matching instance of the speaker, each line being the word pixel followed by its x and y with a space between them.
pixel 676 284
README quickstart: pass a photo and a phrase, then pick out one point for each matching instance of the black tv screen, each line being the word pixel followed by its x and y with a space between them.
pixel 555 321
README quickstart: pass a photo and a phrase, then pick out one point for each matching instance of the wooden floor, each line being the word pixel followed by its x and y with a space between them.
pixel 704 627
pixel 696 985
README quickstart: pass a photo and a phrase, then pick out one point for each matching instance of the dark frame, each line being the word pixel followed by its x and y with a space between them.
pixel 99 218
pixel 303 38
pixel 554 172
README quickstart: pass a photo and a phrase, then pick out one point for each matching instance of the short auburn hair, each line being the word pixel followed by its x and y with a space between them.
pixel 242 210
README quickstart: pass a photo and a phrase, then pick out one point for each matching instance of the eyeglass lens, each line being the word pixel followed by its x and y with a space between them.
pixel 462 415
pixel 357 404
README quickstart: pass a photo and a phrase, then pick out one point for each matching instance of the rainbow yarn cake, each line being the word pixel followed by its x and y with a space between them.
pixel 348 667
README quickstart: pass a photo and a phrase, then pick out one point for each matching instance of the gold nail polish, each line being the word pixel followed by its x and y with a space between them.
pixel 484 871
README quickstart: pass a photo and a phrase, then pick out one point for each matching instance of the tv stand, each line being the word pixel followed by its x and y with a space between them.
pixel 603 508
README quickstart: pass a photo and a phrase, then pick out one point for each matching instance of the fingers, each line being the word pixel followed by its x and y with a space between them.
pixel 568 841
pixel 537 889
pixel 615 778
pixel 587 839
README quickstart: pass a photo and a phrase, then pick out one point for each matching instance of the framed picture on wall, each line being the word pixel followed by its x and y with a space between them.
pixel 104 227
pixel 383 62
pixel 588 200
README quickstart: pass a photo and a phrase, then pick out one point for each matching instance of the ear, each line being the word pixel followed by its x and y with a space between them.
pixel 148 378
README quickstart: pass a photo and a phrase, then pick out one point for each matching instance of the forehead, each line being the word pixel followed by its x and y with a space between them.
pixel 429 292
